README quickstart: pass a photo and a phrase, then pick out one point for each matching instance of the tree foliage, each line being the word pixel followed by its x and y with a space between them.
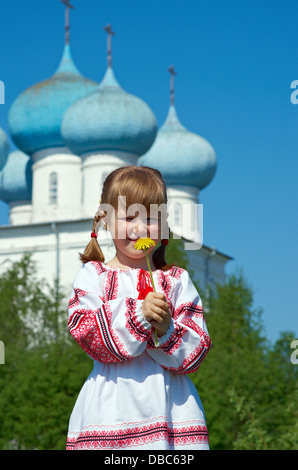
pixel 247 386
pixel 44 369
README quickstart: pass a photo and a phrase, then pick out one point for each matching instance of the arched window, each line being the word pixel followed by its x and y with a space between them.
pixel 53 193
pixel 177 214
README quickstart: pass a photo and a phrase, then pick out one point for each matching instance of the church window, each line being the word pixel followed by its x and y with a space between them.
pixel 177 214
pixel 53 188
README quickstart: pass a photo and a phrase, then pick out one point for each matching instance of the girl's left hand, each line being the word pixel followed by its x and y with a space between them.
pixel 162 328
pixel 163 323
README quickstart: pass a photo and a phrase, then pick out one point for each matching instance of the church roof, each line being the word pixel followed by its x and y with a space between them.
pixel 4 148
pixel 35 116
pixel 16 178
pixel 182 157
pixel 109 119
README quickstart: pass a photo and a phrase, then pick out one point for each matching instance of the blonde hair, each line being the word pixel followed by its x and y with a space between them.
pixel 139 184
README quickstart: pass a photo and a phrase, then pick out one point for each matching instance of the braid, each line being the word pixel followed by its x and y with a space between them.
pixel 96 219
pixel 159 259
pixel 93 251
pixel 159 255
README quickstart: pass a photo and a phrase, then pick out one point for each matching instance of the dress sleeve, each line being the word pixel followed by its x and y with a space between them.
pixel 108 331
pixel 187 341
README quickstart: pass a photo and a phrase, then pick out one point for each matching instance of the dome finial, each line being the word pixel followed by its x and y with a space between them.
pixel 172 86
pixel 111 33
pixel 67 22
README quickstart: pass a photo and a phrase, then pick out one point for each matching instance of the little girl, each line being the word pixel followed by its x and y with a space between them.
pixel 138 395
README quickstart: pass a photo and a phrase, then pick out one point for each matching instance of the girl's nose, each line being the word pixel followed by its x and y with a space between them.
pixel 140 228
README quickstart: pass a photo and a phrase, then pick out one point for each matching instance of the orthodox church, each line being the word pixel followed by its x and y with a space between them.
pixel 70 133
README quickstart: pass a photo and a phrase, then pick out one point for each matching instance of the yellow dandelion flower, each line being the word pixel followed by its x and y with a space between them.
pixel 144 243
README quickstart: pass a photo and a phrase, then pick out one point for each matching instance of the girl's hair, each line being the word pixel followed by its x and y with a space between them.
pixel 139 184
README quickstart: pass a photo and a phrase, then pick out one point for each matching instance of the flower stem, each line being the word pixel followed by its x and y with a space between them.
pixel 149 267
pixel 151 276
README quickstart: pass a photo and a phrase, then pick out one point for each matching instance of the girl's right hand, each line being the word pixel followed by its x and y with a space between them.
pixel 156 311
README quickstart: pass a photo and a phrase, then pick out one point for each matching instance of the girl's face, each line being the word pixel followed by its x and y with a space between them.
pixel 126 230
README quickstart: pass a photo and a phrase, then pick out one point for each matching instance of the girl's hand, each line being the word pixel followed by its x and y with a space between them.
pixel 156 311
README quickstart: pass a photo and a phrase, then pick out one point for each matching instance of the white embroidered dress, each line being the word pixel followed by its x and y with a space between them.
pixel 138 396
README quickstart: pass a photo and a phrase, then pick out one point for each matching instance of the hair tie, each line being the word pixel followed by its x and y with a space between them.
pixel 93 235
pixel 164 242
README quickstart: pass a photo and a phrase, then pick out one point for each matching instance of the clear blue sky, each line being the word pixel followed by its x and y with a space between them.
pixel 235 63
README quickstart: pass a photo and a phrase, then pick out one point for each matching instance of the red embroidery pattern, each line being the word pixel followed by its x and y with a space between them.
pixel 166 283
pixel 193 361
pixel 174 340
pixel 99 267
pixel 185 310
pixel 83 326
pixel 133 325
pixel 111 340
pixel 111 285
pixel 75 300
pixel 140 435
pixel 176 272
pixel 188 309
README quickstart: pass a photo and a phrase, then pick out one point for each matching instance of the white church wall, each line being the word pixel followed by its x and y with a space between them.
pixel 20 213
pixel 95 168
pixel 57 185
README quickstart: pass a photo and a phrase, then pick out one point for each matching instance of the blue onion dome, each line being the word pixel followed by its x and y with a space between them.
pixel 4 148
pixel 35 116
pixel 109 119
pixel 16 178
pixel 182 157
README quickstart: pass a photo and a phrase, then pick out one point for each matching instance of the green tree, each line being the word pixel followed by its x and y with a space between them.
pixel 44 369
pixel 247 386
